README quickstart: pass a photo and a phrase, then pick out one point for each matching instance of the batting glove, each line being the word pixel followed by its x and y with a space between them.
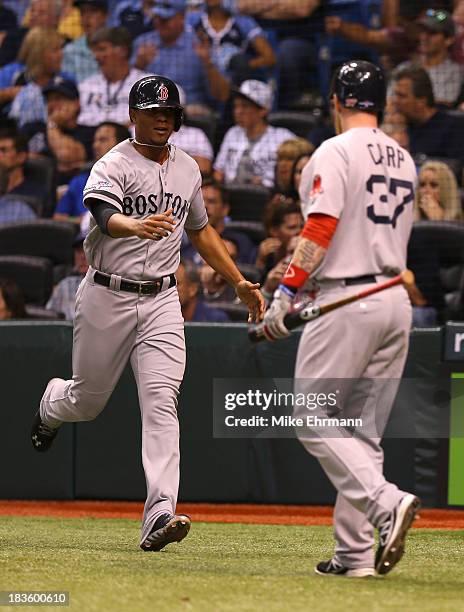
pixel 274 327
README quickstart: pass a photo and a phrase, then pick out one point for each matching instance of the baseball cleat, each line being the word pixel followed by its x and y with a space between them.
pixel 42 435
pixel 333 567
pixel 392 534
pixel 167 528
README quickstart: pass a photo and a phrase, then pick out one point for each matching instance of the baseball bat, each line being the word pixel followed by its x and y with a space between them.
pixel 310 312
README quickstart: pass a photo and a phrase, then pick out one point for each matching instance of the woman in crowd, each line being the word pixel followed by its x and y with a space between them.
pixel 11 301
pixel 437 196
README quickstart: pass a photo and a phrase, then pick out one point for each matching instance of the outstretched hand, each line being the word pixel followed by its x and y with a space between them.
pixel 250 295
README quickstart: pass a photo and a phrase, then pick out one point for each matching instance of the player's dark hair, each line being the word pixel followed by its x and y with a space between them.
pixel 421 84
pixel 19 140
pixel 120 131
pixel 13 298
pixel 119 37
pixel 210 181
pixel 275 215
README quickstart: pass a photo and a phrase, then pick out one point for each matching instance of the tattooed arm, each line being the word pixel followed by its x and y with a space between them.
pixel 309 253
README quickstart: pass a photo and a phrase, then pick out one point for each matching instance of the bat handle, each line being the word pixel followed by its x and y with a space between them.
pixel 293 319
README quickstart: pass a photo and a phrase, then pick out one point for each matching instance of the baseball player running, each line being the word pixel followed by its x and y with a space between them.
pixel 357 193
pixel 142 194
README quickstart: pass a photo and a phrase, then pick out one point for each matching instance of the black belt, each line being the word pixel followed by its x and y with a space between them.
pixel 360 280
pixel 142 288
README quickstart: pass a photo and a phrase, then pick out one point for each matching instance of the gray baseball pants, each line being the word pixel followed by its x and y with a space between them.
pixel 364 345
pixel 110 328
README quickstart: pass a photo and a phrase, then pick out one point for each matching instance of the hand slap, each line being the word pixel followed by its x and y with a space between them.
pixel 250 295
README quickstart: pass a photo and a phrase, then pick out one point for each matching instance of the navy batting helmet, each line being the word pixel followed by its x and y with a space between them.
pixel 360 85
pixel 157 92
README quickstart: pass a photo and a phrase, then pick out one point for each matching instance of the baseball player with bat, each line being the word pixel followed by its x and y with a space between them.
pixel 357 193
pixel 141 194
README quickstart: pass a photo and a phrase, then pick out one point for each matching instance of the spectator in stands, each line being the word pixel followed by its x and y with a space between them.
pixel 41 52
pixel 69 23
pixel 11 301
pixel 61 137
pixel 134 15
pixel 432 132
pixel 63 298
pixel 457 51
pixel 105 95
pixel 238 46
pixel 12 208
pixel 295 177
pixel 215 287
pixel 282 224
pixel 295 25
pixel 78 58
pixel 436 37
pixel 218 210
pixel 249 150
pixel 42 14
pixel 13 156
pixel 71 206
pixel 193 141
pixel 437 196
pixel 174 50
pixel 287 153
pixel 397 38
pixel 194 308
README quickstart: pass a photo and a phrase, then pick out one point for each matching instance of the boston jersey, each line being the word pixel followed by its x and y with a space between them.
pixel 367 181
pixel 139 187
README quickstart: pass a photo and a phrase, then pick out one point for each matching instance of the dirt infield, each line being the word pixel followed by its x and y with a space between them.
pixel 214 513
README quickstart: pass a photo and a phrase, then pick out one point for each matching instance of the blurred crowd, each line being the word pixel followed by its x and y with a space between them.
pixel 255 79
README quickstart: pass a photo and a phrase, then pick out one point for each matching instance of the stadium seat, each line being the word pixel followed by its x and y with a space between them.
pixel 43 171
pixel 253 229
pixel 41 238
pixel 299 123
pixel 40 313
pixel 247 202
pixel 34 275
pixel 445 239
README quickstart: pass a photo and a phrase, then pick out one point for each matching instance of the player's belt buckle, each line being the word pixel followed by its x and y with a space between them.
pixel 149 287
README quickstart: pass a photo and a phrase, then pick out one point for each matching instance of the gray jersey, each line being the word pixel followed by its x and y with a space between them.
pixel 366 180
pixel 139 187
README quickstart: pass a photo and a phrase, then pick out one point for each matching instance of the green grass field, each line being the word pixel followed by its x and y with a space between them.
pixel 219 567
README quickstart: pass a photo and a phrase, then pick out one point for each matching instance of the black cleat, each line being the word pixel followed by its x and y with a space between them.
pixel 333 567
pixel 392 534
pixel 167 528
pixel 42 435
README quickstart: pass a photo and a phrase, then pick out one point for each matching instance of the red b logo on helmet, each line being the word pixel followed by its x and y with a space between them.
pixel 163 93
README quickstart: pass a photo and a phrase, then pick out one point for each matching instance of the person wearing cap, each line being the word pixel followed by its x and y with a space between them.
pixel 63 298
pixel 436 38
pixel 173 49
pixel 61 136
pixel 248 152
pixel 105 95
pixel 134 15
pixel 78 58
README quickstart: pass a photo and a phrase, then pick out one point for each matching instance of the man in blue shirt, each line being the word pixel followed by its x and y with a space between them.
pixel 174 50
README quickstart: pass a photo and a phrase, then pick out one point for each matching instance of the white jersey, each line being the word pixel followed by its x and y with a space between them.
pixel 193 141
pixel 263 152
pixel 104 101
pixel 366 180
pixel 139 187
